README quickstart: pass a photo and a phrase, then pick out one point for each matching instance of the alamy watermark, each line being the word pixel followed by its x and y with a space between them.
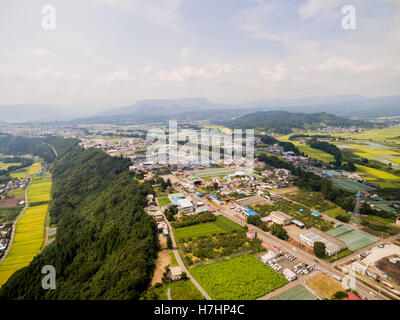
pixel 49 280
pixel 49 21
pixel 349 21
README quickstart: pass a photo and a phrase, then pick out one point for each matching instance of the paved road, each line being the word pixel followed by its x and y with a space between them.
pixel 180 262
pixel 15 226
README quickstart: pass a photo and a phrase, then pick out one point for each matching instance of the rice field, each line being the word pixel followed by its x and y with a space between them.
pixel 27 242
pixel 375 135
pixel 376 174
pixel 29 171
pixel 39 191
pixel 310 152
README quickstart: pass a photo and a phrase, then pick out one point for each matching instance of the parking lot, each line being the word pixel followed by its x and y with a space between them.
pixel 283 261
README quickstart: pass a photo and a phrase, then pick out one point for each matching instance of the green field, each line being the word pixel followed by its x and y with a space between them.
pixel 27 242
pixel 375 135
pixel 213 172
pixel 29 171
pixel 354 239
pixel 5 166
pixel 297 293
pixel 221 225
pixel 39 191
pixel 163 201
pixel 241 278
pixel 180 290
pixel 351 186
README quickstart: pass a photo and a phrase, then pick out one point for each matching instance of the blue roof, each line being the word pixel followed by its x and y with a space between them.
pixel 212 195
pixel 175 200
pixel 316 213
pixel 358 195
pixel 250 212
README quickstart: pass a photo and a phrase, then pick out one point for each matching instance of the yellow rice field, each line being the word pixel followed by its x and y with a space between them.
pixel 39 190
pixel 27 242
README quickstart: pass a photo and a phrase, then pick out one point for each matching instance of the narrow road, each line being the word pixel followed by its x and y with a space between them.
pixel 15 226
pixel 180 262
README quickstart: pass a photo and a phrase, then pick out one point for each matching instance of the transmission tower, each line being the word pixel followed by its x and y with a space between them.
pixel 356 213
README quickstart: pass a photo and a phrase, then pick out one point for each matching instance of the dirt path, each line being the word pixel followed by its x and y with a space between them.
pixel 163 260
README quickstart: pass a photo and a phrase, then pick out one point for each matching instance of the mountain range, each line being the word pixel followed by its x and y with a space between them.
pixel 349 106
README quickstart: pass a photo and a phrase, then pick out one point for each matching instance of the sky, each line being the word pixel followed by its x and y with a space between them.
pixel 110 53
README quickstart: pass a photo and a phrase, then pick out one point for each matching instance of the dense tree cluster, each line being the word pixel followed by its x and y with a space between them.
pixel 106 244
pixel 287 146
pixel 278 231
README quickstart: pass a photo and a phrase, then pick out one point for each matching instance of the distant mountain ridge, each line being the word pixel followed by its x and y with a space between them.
pixel 350 106
pixel 284 122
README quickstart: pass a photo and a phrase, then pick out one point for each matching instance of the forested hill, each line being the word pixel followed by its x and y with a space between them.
pixel 284 122
pixel 106 244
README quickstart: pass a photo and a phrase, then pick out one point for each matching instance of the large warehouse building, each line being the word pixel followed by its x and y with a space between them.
pixel 280 217
pixel 332 245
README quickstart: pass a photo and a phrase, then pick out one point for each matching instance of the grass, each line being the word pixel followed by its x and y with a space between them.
pixel 180 290
pixel 297 293
pixel 324 285
pixel 163 201
pixel 241 278
pixel 221 225
pixel 333 213
pixel 174 262
pixel 340 255
pixel 27 242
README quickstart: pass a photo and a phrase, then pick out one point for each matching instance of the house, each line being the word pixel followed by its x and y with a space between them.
pixel 175 273
pixel 251 234
pixel 332 245
pixel 281 218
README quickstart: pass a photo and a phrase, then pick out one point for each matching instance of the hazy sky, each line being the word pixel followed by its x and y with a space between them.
pixel 115 52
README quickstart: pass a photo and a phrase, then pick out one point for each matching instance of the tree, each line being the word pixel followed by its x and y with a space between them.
pixel 169 242
pixel 278 231
pixel 254 220
pixel 319 249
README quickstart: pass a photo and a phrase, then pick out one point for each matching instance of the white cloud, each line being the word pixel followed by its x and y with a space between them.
pixel 118 76
pixel 185 52
pixel 317 8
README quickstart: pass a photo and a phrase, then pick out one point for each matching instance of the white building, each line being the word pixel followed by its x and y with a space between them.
pixel 280 217
pixel 185 205
pixel 332 245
